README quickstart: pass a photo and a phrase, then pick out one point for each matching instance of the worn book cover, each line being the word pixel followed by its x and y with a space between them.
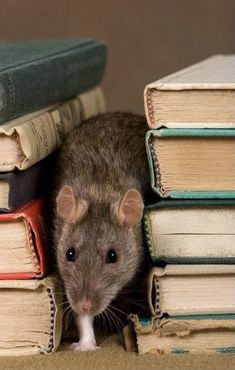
pixel 199 96
pixel 35 74
pixel 182 334
pixel 22 243
pixel 178 290
pixel 192 163
pixel 191 231
pixel 30 316
pixel 28 139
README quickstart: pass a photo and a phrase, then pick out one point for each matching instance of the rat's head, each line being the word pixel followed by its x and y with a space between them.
pixel 99 248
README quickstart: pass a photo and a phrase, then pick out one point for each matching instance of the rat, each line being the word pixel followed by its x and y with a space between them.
pixel 102 176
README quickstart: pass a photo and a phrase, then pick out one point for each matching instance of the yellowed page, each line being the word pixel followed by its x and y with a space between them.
pixel 51 290
pixel 201 95
pixel 40 133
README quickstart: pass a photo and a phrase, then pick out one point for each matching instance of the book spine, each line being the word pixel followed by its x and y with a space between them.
pixel 155 172
pixel 148 237
pixel 51 345
pixel 149 108
pixel 31 86
pixel 40 136
pixel 153 294
pixel 53 286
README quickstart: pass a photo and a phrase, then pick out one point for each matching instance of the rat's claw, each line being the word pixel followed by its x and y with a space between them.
pixel 82 347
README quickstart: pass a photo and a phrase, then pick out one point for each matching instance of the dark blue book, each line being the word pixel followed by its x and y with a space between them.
pixel 19 187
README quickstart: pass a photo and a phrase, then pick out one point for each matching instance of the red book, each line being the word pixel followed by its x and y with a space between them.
pixel 22 251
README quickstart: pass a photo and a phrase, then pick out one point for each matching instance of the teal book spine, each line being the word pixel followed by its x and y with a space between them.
pixel 215 204
pixel 154 167
pixel 36 74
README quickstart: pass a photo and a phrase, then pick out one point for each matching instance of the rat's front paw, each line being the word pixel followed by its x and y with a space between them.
pixel 82 347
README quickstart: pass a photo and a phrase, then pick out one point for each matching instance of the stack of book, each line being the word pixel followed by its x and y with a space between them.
pixel 190 231
pixel 47 88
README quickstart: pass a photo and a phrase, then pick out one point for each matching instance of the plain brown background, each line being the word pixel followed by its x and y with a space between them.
pixel 146 39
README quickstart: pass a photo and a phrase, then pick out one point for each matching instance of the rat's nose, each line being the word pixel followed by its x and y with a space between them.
pixel 85 305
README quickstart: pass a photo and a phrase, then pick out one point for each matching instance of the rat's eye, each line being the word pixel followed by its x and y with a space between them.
pixel 111 256
pixel 71 254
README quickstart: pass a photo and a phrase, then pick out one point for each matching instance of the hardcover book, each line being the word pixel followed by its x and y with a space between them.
pixel 36 74
pixel 28 139
pixel 30 316
pixel 192 163
pixel 22 248
pixel 178 290
pixel 19 187
pixel 191 231
pixel 200 96
pixel 184 334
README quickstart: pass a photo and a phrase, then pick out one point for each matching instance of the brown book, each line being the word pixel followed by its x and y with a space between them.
pixel 192 163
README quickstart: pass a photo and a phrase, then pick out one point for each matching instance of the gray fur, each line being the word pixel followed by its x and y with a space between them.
pixel 101 160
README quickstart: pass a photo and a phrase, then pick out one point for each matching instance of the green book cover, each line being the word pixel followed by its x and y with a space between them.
pixel 219 163
pixel 35 74
pixel 191 231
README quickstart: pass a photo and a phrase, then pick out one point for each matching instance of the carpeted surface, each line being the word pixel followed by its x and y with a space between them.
pixel 112 355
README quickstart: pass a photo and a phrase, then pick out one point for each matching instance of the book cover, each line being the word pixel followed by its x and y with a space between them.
pixel 183 334
pixel 199 96
pixel 30 316
pixel 23 249
pixel 191 231
pixel 34 74
pixel 18 188
pixel 190 163
pixel 28 139
pixel 177 290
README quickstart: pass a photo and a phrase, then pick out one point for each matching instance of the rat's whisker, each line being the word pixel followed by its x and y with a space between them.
pixel 112 319
pixel 108 317
pixel 115 318
pixel 117 309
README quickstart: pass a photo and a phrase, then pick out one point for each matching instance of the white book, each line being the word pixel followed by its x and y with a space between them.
pixel 178 290
pixel 200 96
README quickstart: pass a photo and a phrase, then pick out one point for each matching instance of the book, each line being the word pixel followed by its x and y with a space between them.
pixel 39 73
pixel 18 188
pixel 191 231
pixel 184 334
pixel 178 290
pixel 22 243
pixel 200 96
pixel 192 163
pixel 28 139
pixel 30 316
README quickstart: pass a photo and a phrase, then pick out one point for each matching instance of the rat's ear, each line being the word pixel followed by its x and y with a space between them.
pixel 69 208
pixel 130 209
